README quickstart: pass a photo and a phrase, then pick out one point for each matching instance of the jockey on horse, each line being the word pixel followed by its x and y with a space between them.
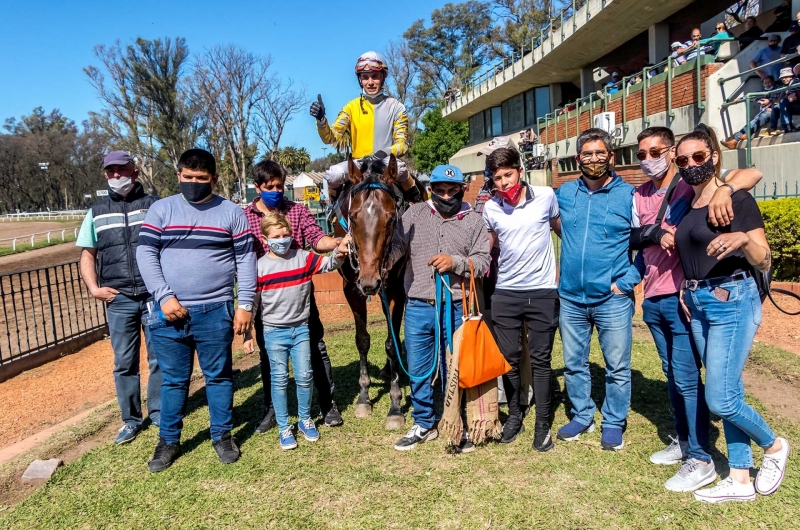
pixel 374 123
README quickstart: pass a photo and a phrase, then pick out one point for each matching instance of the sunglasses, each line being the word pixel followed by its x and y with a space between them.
pixel 699 157
pixel 655 152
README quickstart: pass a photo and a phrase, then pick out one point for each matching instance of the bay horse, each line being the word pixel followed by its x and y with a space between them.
pixel 368 210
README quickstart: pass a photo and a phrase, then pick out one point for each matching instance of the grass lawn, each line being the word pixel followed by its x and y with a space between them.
pixel 353 478
pixel 23 245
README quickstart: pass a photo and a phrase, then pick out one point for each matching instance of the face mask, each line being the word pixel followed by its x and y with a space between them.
pixel 773 46
pixel 594 170
pixel 272 199
pixel 696 175
pixel 447 207
pixel 655 168
pixel 121 186
pixel 195 191
pixel 511 195
pixel 280 246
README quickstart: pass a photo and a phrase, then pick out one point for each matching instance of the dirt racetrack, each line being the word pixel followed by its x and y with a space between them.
pixel 25 228
pixel 42 257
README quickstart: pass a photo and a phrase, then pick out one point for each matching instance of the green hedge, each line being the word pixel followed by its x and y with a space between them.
pixel 782 222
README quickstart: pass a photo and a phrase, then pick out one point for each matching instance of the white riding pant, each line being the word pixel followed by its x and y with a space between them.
pixel 337 173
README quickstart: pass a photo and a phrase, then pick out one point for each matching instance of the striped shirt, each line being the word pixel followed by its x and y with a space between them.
pixel 285 285
pixel 423 233
pixel 197 252
pixel 305 230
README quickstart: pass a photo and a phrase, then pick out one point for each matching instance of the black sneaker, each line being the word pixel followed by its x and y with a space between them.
pixel 333 417
pixel 542 441
pixel 416 435
pixel 511 428
pixel 164 456
pixel 466 445
pixel 226 448
pixel 267 423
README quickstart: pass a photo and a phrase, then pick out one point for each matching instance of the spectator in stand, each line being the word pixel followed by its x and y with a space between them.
pixel 448 95
pixel 690 48
pixel 767 55
pixel 783 17
pixel 791 46
pixel 613 86
pixel 751 33
pixel 790 106
pixel 768 113
pixel 720 33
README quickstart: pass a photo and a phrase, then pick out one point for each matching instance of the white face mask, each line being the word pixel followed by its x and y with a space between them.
pixel 121 186
pixel 655 168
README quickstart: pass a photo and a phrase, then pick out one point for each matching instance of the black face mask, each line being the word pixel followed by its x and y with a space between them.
pixel 448 207
pixel 195 191
pixel 696 175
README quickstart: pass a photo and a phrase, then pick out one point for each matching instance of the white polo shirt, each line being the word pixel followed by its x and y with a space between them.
pixel 527 258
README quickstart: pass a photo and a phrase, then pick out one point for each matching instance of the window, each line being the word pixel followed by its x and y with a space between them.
pixel 516 114
pixel 487 123
pixel 542 95
pixel 476 128
pixel 497 121
pixel 530 108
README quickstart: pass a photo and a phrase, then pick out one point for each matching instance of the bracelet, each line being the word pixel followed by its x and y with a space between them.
pixel 726 185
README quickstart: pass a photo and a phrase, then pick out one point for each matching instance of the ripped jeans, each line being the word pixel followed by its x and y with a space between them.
pixel 284 343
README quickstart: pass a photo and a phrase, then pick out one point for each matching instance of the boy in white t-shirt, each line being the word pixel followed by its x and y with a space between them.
pixel 519 218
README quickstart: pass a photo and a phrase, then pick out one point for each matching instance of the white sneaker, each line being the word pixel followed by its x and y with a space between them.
pixel 727 490
pixel 770 475
pixel 693 475
pixel 674 453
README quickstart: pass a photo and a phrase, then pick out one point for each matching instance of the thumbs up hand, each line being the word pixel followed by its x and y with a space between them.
pixel 318 108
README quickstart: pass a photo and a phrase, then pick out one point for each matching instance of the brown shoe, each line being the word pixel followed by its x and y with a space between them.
pixel 731 144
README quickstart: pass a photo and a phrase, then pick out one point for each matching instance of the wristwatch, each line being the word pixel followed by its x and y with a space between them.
pixel 246 307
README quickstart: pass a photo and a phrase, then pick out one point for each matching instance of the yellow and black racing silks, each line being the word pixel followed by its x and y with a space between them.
pixel 377 123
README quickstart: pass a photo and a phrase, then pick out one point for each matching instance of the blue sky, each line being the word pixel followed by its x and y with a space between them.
pixel 46 43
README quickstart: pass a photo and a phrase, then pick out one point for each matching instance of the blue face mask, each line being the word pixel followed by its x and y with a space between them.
pixel 272 199
pixel 280 246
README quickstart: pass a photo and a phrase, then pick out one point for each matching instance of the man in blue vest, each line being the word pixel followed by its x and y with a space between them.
pixel 108 236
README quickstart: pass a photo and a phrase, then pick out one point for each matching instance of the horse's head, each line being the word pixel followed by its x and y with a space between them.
pixel 372 215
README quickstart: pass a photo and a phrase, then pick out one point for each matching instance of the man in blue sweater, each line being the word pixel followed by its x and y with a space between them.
pixel 596 287
pixel 193 249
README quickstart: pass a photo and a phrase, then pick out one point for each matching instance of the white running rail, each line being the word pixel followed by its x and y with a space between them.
pixel 32 237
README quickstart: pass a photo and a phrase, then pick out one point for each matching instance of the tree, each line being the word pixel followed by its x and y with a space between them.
pixel 323 163
pixel 293 158
pixel 229 83
pixel 280 102
pixel 518 22
pixel 438 141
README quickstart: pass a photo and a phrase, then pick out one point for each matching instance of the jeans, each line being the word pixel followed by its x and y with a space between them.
pixel 789 109
pixel 125 328
pixel 613 319
pixel 770 115
pixel 282 344
pixel 208 330
pixel 680 362
pixel 320 360
pixel 536 314
pixel 420 341
pixel 724 332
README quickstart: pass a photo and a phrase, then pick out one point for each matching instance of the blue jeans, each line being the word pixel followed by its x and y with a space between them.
pixel 788 109
pixel 284 343
pixel 680 361
pixel 420 342
pixel 125 328
pixel 208 330
pixel 613 319
pixel 724 332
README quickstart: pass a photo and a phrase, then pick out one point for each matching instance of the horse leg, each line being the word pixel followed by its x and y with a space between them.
pixel 395 419
pixel 358 305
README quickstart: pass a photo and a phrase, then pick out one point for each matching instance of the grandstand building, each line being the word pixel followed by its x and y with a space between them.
pixel 561 88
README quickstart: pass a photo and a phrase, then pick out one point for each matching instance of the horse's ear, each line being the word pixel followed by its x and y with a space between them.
pixel 390 173
pixel 353 171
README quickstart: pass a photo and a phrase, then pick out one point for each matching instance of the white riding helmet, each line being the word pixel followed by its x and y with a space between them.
pixel 371 62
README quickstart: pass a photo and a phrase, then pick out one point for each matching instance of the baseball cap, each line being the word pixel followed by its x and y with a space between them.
pixel 117 158
pixel 447 173
pixel 615 74
pixel 495 144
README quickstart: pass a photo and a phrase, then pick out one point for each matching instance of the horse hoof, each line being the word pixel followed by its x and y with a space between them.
pixel 394 423
pixel 363 410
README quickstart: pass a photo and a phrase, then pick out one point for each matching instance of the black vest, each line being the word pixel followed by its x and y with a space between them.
pixel 117 221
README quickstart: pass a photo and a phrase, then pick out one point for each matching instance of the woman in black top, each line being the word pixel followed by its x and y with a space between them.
pixel 722 301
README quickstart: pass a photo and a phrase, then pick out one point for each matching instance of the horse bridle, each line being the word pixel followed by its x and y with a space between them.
pixel 347 223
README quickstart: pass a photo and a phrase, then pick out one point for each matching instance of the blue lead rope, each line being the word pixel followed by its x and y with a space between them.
pixel 443 294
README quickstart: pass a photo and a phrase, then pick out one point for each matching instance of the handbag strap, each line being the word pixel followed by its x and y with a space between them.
pixel 473 296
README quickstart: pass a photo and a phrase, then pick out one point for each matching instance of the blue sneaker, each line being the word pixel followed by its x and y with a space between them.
pixel 309 430
pixel 127 433
pixel 611 440
pixel 572 431
pixel 287 439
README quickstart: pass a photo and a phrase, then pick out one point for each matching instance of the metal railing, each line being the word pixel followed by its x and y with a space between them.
pixel 45 307
pixel 775 194
pixel 556 24
pixel 31 238
pixel 38 216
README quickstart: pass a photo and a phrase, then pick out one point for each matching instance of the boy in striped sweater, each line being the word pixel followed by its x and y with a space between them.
pixel 284 282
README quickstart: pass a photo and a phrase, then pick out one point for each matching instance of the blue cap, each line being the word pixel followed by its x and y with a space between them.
pixel 447 173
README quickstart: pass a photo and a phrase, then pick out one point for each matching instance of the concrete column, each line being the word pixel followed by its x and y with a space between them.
pixel 587 80
pixel 658 42
pixel 555 95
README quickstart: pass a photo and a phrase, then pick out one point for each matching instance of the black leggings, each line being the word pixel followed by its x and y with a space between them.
pixel 511 313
